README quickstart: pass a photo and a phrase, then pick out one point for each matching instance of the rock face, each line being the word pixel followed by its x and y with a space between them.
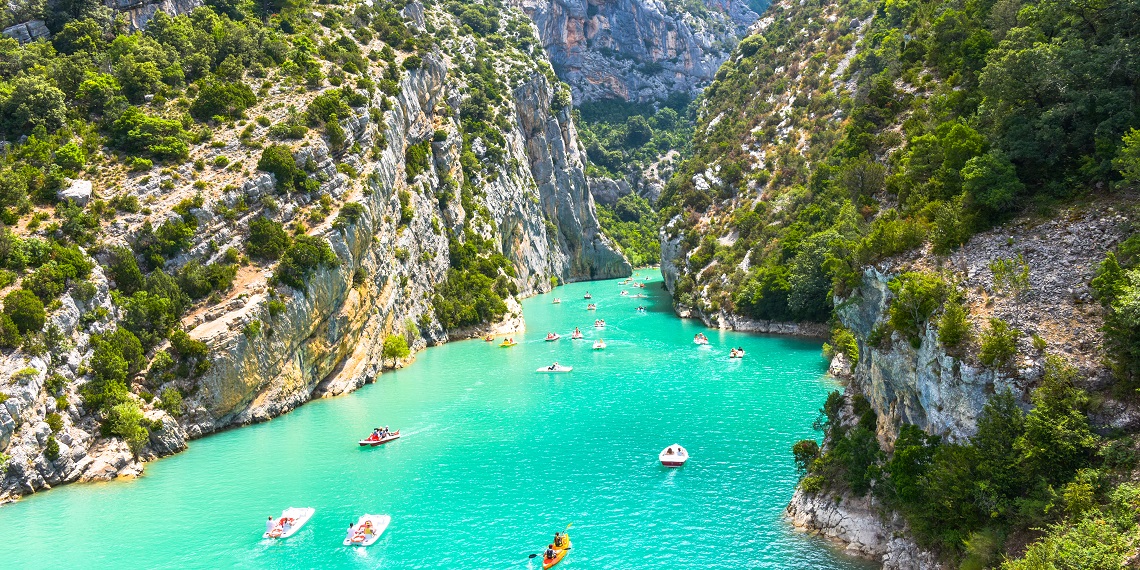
pixel 535 209
pixel 139 12
pixel 27 31
pixel 944 391
pixel 637 50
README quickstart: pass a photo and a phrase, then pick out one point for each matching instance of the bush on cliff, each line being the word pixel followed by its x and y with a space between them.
pixel 303 257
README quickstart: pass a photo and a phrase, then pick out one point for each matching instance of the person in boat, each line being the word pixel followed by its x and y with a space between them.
pixel 351 532
pixel 550 553
pixel 286 524
pixel 385 433
pixel 269 524
pixel 559 541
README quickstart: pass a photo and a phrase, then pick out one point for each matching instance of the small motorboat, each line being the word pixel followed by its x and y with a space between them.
pixel 674 456
pixel 624 293
pixel 291 521
pixel 555 368
pixel 559 553
pixel 552 336
pixel 599 344
pixel 700 339
pixel 591 307
pixel 367 530
pixel 507 343
pixel 599 324
pixel 587 295
pixel 557 300
pixel 577 335
pixel 736 353
pixel 373 440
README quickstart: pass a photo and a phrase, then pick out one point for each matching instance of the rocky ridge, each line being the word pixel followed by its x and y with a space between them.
pixel 637 50
pixel 536 210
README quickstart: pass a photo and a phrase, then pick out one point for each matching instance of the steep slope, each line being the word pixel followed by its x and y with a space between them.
pixel 392 190
pixel 637 50
pixel 943 185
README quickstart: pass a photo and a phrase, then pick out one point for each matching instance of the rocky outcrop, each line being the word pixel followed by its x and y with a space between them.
pixel 139 12
pixel 637 50
pixel 856 526
pixel 942 391
pixel 27 31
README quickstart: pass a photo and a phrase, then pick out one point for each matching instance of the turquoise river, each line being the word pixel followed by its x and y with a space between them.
pixel 495 458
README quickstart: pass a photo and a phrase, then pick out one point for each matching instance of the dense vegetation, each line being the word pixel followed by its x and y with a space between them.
pixel 962 113
pixel 476 285
pixel 623 143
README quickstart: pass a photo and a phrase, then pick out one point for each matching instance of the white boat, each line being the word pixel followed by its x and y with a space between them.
pixel 552 337
pixel 736 353
pixel 673 456
pixel 599 344
pixel 577 335
pixel 554 369
pixel 624 293
pixel 599 324
pixel 701 341
pixel 360 531
pixel 587 296
pixel 591 307
pixel 290 521
pixel 557 300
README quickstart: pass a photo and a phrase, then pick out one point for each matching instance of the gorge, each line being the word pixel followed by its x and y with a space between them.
pixel 215 212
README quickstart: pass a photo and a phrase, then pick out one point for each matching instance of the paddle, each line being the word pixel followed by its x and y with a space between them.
pixel 540 554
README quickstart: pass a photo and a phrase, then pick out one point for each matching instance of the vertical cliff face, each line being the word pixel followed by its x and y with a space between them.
pixel 637 50
pixel 274 347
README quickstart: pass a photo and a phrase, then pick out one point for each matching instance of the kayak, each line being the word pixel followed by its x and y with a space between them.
pixel 507 343
pixel 360 537
pixel 559 554
pixel 296 516
pixel 558 368
pixel 369 442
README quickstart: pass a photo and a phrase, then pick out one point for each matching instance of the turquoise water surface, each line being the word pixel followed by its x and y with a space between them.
pixel 495 458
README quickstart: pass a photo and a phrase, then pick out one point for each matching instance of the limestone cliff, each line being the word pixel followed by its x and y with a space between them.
pixel 637 50
pixel 273 347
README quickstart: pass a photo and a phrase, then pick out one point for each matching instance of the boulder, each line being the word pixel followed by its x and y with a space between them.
pixel 78 191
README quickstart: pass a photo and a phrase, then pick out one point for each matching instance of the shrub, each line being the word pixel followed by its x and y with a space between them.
pixel 998 344
pixel 225 99
pixel 953 327
pixel 199 280
pixel 917 296
pixel 1010 275
pixel 277 159
pixel 302 258
pixel 126 421
pixel 25 310
pixel 416 159
pixel 349 214
pixel 406 210
pixel 149 316
pixel 137 132
pixel 805 453
pixel 54 422
pixel 51 448
pixel 267 239
pixel 171 401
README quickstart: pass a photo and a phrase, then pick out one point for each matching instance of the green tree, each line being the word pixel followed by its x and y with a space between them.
pixel 32 101
pixel 992 180
pixel 267 239
pixel 395 347
pixel 225 99
pixel 1127 161
pixel 999 344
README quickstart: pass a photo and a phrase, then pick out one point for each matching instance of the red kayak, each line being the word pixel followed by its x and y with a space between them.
pixel 373 441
